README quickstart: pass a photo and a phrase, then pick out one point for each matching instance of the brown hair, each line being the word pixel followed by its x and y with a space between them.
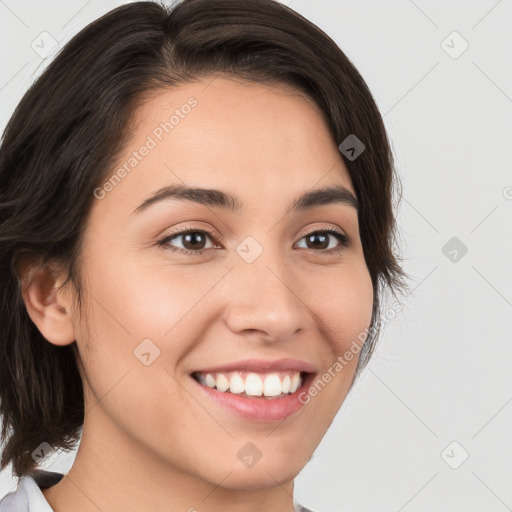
pixel 68 129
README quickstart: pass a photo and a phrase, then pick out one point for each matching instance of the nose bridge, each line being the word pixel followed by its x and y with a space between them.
pixel 263 293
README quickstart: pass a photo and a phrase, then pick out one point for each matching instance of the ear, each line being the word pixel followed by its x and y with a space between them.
pixel 48 307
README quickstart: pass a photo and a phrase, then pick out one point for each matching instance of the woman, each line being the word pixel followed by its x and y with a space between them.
pixel 196 230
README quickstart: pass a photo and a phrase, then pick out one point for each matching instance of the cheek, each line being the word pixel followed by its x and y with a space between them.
pixel 135 310
pixel 133 300
pixel 131 314
pixel 345 305
pixel 343 311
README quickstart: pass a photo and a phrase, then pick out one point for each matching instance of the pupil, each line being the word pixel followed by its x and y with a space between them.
pixel 193 239
pixel 323 242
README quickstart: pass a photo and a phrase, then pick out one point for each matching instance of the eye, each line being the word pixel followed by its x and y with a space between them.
pixel 193 241
pixel 320 239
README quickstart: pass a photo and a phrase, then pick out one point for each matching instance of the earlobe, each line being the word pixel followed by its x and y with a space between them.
pixel 47 306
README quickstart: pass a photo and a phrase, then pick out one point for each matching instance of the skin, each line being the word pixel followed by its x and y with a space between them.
pixel 151 440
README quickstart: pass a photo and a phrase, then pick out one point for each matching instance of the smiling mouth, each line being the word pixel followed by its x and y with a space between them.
pixel 269 385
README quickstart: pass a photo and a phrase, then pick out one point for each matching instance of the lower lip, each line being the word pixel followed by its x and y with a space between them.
pixel 259 409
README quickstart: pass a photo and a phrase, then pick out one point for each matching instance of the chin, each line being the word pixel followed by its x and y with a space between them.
pixel 265 477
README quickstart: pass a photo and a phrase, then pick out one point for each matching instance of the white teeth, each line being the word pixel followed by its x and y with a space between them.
pixel 272 385
pixel 236 384
pixel 286 384
pixel 268 385
pixel 221 382
pixel 295 382
pixel 253 385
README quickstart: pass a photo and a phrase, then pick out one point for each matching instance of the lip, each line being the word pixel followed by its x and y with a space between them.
pixel 258 409
pixel 262 365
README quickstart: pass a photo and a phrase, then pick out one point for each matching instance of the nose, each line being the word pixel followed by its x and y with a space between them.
pixel 264 297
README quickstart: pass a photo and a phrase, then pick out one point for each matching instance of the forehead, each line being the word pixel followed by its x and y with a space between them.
pixel 252 139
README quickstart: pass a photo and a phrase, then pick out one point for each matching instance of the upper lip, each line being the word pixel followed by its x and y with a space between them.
pixel 259 365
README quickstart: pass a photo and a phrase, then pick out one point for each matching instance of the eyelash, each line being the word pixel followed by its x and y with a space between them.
pixel 343 239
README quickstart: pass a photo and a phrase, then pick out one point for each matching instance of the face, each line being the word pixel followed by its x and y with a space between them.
pixel 251 295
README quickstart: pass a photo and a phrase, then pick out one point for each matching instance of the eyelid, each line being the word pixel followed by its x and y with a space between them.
pixel 182 230
pixel 322 227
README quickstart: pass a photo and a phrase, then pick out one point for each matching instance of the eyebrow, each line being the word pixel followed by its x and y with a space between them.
pixel 335 194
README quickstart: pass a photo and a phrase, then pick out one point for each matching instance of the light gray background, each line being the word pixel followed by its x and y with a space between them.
pixel 442 370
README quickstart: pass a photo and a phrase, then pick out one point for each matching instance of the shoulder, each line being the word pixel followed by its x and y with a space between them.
pixel 28 495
